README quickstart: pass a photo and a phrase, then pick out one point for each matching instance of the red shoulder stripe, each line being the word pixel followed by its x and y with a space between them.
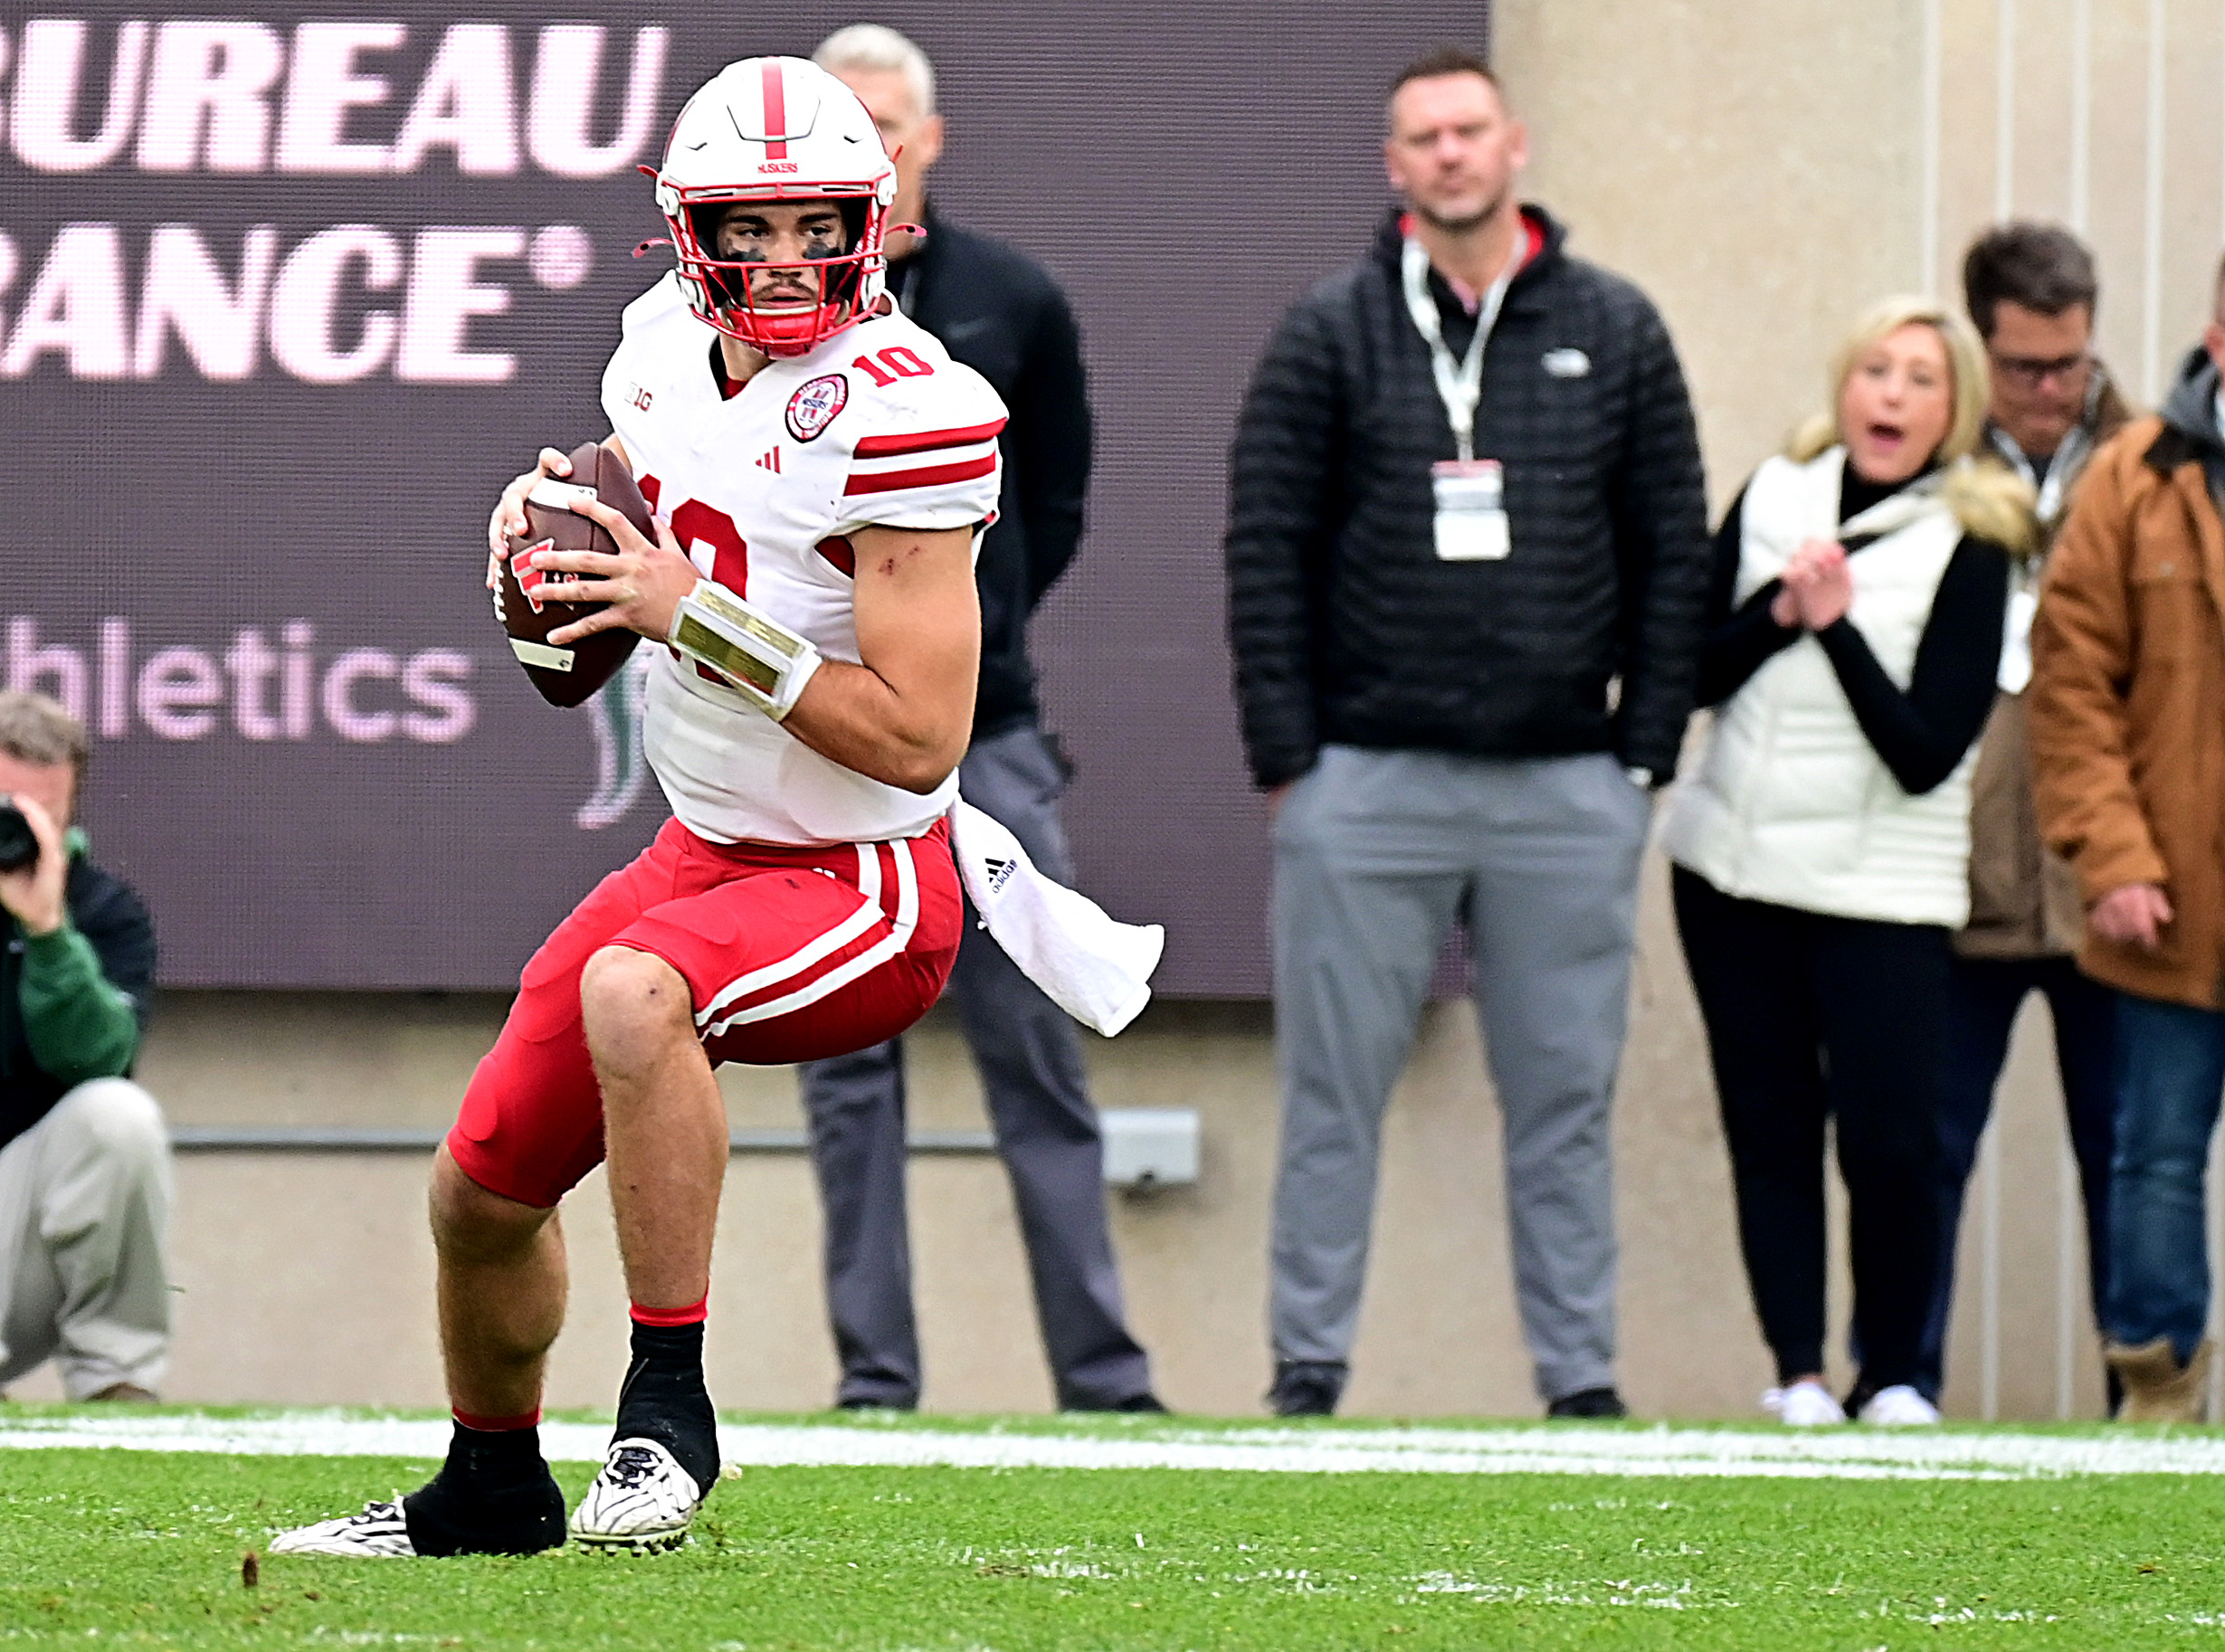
pixel 920 441
pixel 930 476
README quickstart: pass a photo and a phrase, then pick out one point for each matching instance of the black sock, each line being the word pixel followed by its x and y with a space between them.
pixel 664 1398
pixel 493 1495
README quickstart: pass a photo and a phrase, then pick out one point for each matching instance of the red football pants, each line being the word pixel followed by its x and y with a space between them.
pixel 790 955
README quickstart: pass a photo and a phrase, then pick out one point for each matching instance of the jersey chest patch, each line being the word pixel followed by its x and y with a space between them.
pixel 815 405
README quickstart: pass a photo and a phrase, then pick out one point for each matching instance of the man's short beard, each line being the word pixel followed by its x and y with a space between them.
pixel 1461 226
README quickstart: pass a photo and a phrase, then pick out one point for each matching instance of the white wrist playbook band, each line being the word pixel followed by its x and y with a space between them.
pixel 763 660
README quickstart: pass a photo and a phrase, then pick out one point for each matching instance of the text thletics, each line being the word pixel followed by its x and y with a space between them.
pixel 294 691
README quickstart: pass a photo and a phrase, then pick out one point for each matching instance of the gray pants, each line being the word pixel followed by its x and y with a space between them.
pixel 1376 854
pixel 84 1202
pixel 1030 1060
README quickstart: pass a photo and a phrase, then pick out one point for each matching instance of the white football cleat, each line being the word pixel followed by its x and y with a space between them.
pixel 643 1501
pixel 379 1532
pixel 1806 1404
pixel 1899 1407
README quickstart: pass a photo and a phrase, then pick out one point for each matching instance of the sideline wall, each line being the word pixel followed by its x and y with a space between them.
pixel 307 1277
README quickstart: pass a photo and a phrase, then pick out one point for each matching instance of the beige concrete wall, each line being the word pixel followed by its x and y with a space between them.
pixel 307 1277
pixel 1753 167
pixel 1764 169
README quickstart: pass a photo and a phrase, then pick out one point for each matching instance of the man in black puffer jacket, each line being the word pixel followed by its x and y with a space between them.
pixel 1466 559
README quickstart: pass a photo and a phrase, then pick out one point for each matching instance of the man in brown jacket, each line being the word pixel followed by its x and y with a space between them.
pixel 2032 289
pixel 2128 734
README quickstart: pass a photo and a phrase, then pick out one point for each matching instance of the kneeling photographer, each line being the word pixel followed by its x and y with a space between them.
pixel 84 1160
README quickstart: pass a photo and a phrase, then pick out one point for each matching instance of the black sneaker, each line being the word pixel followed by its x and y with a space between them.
pixel 1306 1388
pixel 1144 1404
pixel 1591 1404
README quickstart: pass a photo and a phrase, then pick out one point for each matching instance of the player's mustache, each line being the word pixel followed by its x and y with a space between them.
pixel 792 280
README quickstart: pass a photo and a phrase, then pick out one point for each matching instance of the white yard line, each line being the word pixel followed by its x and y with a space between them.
pixel 1837 1454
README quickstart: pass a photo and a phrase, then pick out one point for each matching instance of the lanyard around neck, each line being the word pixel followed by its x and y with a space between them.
pixel 1460 384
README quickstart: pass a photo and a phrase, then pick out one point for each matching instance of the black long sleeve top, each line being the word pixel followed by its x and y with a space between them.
pixel 1919 734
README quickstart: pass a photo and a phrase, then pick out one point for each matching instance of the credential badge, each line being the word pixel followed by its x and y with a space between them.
pixel 812 408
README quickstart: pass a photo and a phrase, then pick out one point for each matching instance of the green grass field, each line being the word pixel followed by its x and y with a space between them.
pixel 146 1548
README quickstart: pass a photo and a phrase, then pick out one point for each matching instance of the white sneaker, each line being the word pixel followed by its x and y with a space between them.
pixel 1899 1407
pixel 643 1500
pixel 379 1532
pixel 1807 1404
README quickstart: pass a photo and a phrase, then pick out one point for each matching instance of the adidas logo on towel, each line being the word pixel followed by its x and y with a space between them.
pixel 1000 873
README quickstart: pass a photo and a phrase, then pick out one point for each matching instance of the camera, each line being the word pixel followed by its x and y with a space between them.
pixel 19 845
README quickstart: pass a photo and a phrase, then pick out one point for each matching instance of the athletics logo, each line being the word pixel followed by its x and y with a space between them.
pixel 812 408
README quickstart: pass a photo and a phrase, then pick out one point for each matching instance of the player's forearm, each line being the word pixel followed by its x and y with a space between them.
pixel 851 716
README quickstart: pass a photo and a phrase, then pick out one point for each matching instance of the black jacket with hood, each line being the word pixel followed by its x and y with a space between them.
pixel 1345 626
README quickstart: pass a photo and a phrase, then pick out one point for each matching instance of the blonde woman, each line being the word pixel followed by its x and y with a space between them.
pixel 1822 845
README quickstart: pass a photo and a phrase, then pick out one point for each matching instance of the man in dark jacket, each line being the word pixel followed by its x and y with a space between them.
pixel 1001 314
pixel 84 1162
pixel 1466 559
pixel 2031 291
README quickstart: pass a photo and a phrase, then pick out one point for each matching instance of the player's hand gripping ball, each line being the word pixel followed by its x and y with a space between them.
pixel 569 675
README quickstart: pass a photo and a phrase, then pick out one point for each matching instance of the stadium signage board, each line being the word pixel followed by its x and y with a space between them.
pixel 288 290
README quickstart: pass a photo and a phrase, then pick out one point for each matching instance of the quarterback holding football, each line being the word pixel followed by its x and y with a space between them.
pixel 820 469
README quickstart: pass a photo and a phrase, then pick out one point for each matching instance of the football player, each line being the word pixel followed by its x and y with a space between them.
pixel 820 469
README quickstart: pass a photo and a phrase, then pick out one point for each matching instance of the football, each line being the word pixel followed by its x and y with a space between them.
pixel 567 675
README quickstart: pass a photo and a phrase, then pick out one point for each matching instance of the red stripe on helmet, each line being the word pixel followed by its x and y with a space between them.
pixel 776 113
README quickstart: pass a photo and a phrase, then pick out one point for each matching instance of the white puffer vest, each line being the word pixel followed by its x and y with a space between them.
pixel 1790 803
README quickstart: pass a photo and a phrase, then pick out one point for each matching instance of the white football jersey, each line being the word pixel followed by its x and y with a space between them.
pixel 877 426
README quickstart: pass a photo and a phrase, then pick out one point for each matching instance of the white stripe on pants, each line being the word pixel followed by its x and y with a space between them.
pixel 84 1206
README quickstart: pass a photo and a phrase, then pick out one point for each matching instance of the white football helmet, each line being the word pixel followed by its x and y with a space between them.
pixel 776 128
